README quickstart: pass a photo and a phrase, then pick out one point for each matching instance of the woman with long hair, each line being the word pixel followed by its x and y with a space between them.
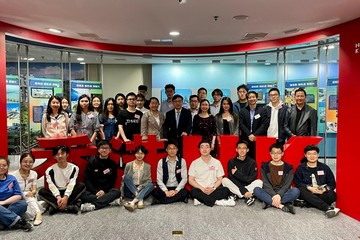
pixel 97 105
pixel 108 122
pixel 66 106
pixel 204 124
pixel 120 101
pixel 27 181
pixel 84 120
pixel 226 120
pixel 136 182
pixel 55 121
pixel 152 121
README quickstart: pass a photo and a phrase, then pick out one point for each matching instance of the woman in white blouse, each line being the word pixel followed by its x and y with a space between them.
pixel 27 181
pixel 55 121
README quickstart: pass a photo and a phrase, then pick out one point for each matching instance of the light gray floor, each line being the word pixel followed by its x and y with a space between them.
pixel 196 222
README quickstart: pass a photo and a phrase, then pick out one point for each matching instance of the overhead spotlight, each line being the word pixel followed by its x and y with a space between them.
pixel 80 59
pixel 174 33
pixel 54 30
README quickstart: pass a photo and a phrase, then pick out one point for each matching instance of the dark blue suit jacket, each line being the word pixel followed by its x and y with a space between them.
pixel 185 124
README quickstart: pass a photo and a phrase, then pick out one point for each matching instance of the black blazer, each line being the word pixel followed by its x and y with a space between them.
pixel 185 124
pixel 282 134
pixel 307 125
pixel 260 122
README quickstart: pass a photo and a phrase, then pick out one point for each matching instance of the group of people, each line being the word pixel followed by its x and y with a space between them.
pixel 124 116
pixel 314 183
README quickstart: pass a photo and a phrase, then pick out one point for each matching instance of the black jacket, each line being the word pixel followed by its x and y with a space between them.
pixel 185 123
pixel 307 125
pixel 260 122
pixel 324 176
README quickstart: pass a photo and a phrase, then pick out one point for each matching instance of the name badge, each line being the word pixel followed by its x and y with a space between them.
pixel 257 116
pixel 321 172
pixel 30 180
pixel 212 168
pixel 11 185
pixel 55 124
pixel 280 173
pixel 178 171
pixel 106 171
pixel 91 116
pixel 136 116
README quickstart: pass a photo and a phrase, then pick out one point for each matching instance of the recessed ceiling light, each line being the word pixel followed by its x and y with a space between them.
pixel 240 17
pixel 55 30
pixel 174 33
pixel 80 59
pixel 82 63
pixel 31 59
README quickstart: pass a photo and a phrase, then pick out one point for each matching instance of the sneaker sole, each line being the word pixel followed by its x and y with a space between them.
pixel 129 208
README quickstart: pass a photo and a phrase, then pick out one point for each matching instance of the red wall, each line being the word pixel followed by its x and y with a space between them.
pixel 348 166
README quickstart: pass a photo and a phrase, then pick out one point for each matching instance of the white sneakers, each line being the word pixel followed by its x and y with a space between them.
pixel 87 207
pixel 196 202
pixel 332 212
pixel 226 202
pixel 116 202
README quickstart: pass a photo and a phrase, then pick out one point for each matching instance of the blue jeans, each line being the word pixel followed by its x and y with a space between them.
pixel 130 189
pixel 289 196
pixel 10 214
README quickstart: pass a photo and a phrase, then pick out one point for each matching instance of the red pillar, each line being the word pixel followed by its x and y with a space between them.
pixel 3 112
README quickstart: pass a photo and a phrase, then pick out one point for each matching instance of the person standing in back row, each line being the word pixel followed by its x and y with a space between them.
pixel 301 118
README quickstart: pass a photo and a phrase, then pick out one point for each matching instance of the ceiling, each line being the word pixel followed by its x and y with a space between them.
pixel 132 22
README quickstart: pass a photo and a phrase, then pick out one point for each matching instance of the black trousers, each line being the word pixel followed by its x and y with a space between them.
pixel 320 201
pixel 161 196
pixel 47 196
pixel 103 201
pixel 209 200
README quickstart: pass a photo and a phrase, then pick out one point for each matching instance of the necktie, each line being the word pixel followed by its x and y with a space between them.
pixel 177 118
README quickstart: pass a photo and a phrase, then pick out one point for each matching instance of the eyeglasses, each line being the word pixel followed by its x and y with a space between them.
pixel 104 148
pixel 274 95
pixel 131 99
pixel 275 154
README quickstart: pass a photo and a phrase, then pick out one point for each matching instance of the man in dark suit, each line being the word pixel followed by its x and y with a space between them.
pixel 178 121
pixel 276 111
pixel 253 122
pixel 301 118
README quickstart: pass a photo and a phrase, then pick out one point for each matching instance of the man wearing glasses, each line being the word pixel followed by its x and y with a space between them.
pixel 129 119
pixel 276 110
pixel 100 178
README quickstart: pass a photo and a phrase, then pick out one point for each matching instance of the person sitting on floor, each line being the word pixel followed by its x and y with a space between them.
pixel 100 178
pixel 242 172
pixel 136 181
pixel 12 204
pixel 27 179
pixel 316 182
pixel 205 176
pixel 171 178
pixel 61 177
pixel 277 177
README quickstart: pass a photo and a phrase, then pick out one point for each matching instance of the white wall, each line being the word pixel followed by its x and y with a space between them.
pixel 121 78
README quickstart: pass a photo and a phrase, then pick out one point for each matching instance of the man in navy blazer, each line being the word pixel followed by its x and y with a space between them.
pixel 276 111
pixel 253 122
pixel 178 121
pixel 301 118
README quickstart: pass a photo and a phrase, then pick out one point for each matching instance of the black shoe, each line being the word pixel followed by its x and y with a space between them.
pixel 288 208
pixel 235 197
pixel 2 227
pixel 186 200
pixel 22 224
pixel 155 201
pixel 332 212
pixel 299 203
pixel 265 205
pixel 250 201
pixel 72 209
pixel 52 210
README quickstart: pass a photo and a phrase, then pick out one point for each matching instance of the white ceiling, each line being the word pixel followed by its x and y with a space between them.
pixel 131 22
